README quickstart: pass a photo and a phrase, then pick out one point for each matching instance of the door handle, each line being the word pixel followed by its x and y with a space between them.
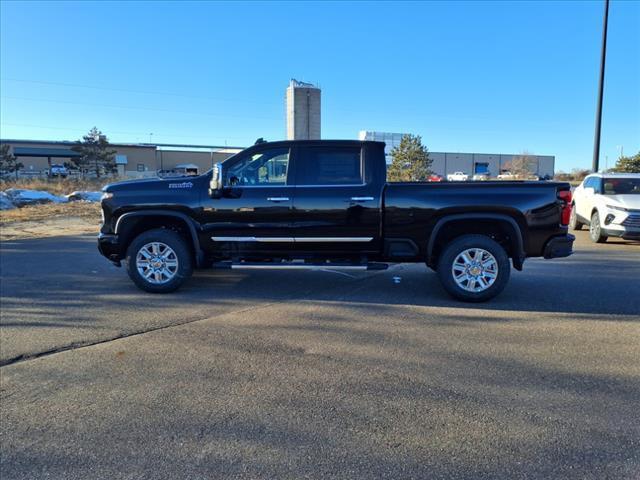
pixel 278 199
pixel 361 199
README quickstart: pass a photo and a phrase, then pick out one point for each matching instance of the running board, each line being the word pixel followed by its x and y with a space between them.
pixel 299 266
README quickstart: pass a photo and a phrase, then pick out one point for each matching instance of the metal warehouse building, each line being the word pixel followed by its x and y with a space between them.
pixel 133 160
pixel 445 163
pixel 146 160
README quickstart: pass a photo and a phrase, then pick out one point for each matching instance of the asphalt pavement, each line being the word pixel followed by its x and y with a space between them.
pixel 320 374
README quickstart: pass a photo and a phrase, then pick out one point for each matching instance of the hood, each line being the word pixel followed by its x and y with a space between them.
pixel 134 184
pixel 631 202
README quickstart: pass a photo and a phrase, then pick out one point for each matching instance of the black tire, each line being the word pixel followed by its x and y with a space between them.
pixel 574 223
pixel 595 229
pixel 182 254
pixel 457 247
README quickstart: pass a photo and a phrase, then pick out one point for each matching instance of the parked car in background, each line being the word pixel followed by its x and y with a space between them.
pixel 506 176
pixel 609 203
pixel 59 171
pixel 458 177
pixel 435 178
pixel 481 177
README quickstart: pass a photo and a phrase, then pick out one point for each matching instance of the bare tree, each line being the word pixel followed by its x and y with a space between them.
pixel 578 174
pixel 523 165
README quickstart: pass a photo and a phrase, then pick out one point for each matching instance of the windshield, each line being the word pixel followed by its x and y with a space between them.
pixel 621 186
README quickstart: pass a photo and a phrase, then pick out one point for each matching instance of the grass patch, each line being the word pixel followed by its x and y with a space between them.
pixel 57 186
pixel 39 213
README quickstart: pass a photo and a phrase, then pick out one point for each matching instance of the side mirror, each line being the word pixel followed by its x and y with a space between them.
pixel 216 185
pixel 589 190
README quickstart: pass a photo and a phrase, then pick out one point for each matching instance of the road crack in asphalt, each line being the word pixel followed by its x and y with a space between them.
pixel 76 345
pixel 25 357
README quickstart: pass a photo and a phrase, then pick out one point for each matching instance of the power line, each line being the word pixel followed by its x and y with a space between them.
pixel 76 129
pixel 139 92
pixel 124 107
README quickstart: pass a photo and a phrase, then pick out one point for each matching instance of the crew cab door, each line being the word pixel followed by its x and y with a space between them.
pixel 254 211
pixel 337 203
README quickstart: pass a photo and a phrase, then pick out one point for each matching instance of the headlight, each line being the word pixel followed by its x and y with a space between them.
pixel 106 195
pixel 614 207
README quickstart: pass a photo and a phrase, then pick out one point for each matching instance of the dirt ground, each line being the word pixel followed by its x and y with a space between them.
pixel 49 220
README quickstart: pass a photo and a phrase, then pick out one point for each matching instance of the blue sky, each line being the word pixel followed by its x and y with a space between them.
pixel 495 77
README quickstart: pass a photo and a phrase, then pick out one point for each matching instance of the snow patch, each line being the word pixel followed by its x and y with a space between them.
pixel 5 202
pixel 85 196
pixel 20 197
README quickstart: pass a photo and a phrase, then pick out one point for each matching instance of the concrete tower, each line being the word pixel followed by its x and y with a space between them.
pixel 303 111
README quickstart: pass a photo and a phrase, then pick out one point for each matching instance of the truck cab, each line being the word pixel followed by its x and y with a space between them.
pixel 304 199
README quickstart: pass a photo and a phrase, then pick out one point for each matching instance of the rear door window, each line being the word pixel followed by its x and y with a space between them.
pixel 329 166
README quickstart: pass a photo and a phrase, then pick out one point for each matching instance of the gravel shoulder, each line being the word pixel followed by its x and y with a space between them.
pixel 49 220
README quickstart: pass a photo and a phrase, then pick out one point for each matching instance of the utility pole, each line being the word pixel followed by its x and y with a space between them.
pixel 603 55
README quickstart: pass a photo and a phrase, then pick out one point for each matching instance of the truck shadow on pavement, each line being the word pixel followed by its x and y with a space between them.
pixel 65 275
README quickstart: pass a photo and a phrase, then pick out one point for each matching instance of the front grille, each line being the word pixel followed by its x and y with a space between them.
pixel 632 221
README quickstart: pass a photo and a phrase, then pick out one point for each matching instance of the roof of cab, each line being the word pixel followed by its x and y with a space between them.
pixel 279 143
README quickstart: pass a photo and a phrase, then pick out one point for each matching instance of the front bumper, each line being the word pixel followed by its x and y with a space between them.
pixel 109 246
pixel 626 234
pixel 560 246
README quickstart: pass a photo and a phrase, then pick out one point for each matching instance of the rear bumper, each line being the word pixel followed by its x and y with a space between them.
pixel 109 246
pixel 560 246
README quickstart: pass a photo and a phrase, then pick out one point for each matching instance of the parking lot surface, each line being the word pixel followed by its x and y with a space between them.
pixel 322 374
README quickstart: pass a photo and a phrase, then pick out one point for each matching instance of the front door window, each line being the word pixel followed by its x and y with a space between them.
pixel 265 168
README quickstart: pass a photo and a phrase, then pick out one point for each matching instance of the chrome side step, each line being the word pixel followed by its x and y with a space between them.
pixel 299 266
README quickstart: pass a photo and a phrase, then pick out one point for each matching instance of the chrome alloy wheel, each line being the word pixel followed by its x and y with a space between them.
pixel 157 263
pixel 475 270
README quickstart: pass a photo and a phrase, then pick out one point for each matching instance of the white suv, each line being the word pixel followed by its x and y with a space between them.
pixel 610 204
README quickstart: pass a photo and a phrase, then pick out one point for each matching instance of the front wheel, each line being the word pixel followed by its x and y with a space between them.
pixel 159 261
pixel 595 229
pixel 474 268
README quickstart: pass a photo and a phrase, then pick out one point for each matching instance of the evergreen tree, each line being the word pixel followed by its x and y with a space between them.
pixel 411 162
pixel 96 155
pixel 8 162
pixel 628 164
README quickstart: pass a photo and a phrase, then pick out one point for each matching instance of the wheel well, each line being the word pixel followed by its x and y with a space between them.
pixel 501 231
pixel 134 226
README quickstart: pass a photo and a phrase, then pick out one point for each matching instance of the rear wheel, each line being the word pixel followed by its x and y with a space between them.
pixel 574 223
pixel 159 261
pixel 474 268
pixel 595 229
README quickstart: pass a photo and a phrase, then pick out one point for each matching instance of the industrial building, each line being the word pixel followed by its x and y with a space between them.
pixel 133 160
pixel 303 104
pixel 445 163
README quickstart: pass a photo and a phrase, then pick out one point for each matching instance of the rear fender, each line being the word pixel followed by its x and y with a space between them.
pixel 517 242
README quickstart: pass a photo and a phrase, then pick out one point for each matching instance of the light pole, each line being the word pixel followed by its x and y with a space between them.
pixel 603 55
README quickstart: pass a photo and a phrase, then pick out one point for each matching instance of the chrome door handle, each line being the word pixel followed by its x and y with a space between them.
pixel 361 199
pixel 278 199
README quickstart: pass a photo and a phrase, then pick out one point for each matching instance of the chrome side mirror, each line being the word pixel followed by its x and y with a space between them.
pixel 216 185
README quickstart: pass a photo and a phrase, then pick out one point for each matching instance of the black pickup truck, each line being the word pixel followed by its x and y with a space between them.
pixel 327 203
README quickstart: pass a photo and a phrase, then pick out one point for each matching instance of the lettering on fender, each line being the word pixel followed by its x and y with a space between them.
pixel 181 185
